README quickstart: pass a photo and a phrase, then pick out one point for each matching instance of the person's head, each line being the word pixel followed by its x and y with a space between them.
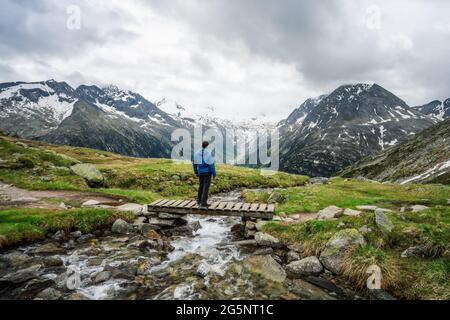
pixel 205 144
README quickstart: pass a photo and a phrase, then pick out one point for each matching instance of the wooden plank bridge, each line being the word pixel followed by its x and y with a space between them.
pixel 237 209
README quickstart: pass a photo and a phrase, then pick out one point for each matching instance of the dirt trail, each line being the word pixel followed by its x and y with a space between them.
pixel 11 196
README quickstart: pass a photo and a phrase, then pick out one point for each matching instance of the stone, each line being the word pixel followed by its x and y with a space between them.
pixel 120 226
pixel 352 213
pixel 335 249
pixel 75 234
pixel 49 249
pixel 250 225
pixel 364 230
pixel 264 251
pixel 187 230
pixel 276 218
pixel 152 234
pixel 90 173
pixel 50 294
pixel 265 266
pixel 21 276
pixel 366 208
pixel 318 180
pixel 416 251
pixel 15 258
pixel 341 225
pixel 264 239
pixel 86 238
pixel 277 197
pixel 139 221
pixel 164 215
pixel 306 266
pixel 52 261
pixel 259 226
pixel 77 296
pixel 418 208
pixel 131 207
pixel 102 277
pixel 292 256
pixel 59 236
pixel 330 212
pixel 33 287
pixel 162 222
pixel 90 203
pixel 383 222
pixel 146 228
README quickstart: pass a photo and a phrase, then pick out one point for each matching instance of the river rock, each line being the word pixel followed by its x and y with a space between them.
pixel 52 261
pixel 75 234
pixel 131 207
pixel 164 215
pixel 32 288
pixel 15 258
pixel 292 256
pixel 416 251
pixel 59 236
pixel 306 266
pixel 21 276
pixel 250 225
pixel 187 230
pixel 264 239
pixel 102 277
pixel 319 180
pixel 121 227
pixel 50 294
pixel 352 213
pixel 266 267
pixel 90 173
pixel 418 208
pixel 335 249
pixel 49 249
pixel 162 222
pixel 145 228
pixel 77 296
pixel 264 251
pixel 383 222
pixel 330 212
pixel 245 243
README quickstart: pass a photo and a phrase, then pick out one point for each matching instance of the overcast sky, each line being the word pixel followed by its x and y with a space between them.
pixel 245 58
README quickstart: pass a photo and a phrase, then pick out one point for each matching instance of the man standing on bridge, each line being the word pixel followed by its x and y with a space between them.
pixel 204 169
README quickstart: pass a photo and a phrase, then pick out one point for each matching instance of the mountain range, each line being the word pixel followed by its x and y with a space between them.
pixel 319 138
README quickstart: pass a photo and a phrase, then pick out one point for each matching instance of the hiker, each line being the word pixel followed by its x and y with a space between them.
pixel 204 169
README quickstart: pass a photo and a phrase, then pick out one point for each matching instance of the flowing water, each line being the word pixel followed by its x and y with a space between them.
pixel 205 266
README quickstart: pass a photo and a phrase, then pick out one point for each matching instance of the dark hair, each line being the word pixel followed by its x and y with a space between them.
pixel 205 144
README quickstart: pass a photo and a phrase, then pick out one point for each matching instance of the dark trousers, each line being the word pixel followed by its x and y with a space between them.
pixel 203 190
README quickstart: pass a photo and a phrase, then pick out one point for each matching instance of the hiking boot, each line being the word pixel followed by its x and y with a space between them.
pixel 203 206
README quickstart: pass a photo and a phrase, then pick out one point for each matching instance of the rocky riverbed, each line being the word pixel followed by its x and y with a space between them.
pixel 207 258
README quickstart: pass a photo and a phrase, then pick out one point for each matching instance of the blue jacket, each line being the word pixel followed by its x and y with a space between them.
pixel 204 162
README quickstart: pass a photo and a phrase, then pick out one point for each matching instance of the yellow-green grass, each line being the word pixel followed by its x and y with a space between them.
pixel 346 193
pixel 140 179
pixel 409 278
pixel 25 225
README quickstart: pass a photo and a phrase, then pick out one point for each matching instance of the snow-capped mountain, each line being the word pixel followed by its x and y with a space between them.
pixel 352 122
pixel 104 118
pixel 439 110
pixel 425 158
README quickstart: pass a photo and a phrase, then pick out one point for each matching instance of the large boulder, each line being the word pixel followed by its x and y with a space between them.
pixel 383 222
pixel 137 209
pixel 50 294
pixel 330 212
pixel 277 197
pixel 266 240
pixel 304 267
pixel 90 173
pixel 265 266
pixel 335 249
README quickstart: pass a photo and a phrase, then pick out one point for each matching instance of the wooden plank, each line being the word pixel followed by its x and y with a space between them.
pixel 246 207
pixel 262 207
pixel 160 204
pixel 230 205
pixel 183 204
pixel 237 206
pixel 191 204
pixel 175 204
pixel 169 204
pixel 270 208
pixel 254 207
pixel 214 205
pixel 154 203
pixel 221 206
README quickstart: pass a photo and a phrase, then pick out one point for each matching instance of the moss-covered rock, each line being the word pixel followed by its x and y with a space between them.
pixel 90 173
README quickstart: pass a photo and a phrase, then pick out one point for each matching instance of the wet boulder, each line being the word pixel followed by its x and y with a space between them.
pixel 120 227
pixel 265 266
pixel 306 266
pixel 49 249
pixel 266 240
pixel 50 294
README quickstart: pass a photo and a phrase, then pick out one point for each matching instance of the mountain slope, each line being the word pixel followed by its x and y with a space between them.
pixel 440 110
pixel 103 118
pixel 349 124
pixel 424 158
